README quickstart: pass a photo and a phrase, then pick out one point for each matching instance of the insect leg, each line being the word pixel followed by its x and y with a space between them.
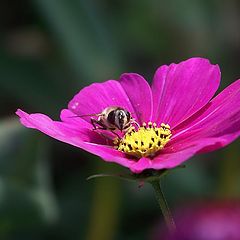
pixel 94 122
pixel 102 127
pixel 112 131
pixel 133 121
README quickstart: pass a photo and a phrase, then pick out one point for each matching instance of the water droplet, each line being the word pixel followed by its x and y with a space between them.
pixel 74 106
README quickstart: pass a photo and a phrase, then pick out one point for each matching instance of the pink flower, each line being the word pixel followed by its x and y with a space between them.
pixel 213 220
pixel 181 96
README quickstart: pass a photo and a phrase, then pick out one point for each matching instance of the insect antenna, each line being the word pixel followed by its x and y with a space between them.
pixel 87 115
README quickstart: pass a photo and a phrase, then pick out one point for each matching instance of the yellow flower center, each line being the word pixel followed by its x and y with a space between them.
pixel 145 141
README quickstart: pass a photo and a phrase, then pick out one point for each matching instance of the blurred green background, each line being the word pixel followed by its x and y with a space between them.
pixel 49 50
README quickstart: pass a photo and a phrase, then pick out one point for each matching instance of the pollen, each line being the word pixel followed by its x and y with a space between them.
pixel 145 141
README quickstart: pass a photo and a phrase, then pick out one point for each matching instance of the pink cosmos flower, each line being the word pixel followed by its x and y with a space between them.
pixel 213 220
pixel 181 96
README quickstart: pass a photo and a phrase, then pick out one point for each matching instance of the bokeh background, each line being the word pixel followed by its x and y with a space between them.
pixel 49 50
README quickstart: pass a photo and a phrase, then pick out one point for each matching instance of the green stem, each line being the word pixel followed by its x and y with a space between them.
pixel 164 206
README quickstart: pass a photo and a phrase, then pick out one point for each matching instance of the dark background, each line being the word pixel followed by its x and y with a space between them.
pixel 49 50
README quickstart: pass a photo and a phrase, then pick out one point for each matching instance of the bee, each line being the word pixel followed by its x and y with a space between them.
pixel 113 118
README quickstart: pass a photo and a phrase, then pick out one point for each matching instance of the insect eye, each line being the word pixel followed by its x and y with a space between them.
pixel 128 115
pixel 121 114
pixel 111 117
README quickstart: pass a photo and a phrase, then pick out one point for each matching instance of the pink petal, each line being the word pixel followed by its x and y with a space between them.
pixel 70 117
pixel 79 136
pixel 180 90
pixel 96 97
pixel 218 119
pixel 140 95
pixel 109 154
pixel 63 131
pixel 173 159
pixel 213 127
pixel 141 165
pixel 126 94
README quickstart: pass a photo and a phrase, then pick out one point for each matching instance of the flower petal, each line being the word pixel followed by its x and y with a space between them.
pixel 132 92
pixel 127 93
pixel 180 90
pixel 141 165
pixel 167 160
pixel 96 97
pixel 220 118
pixel 70 117
pixel 214 126
pixel 140 95
pixel 109 154
pixel 78 136
pixel 64 131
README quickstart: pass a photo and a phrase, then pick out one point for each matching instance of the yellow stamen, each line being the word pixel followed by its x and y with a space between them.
pixel 145 141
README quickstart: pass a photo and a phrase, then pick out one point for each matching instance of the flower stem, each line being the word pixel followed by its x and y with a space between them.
pixel 164 206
